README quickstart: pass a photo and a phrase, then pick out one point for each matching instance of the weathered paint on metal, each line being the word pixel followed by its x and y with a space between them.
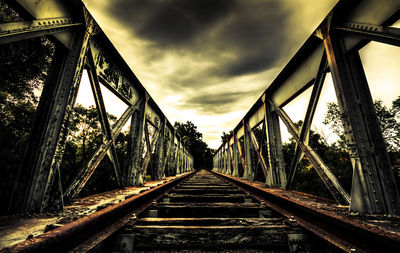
pixel 374 188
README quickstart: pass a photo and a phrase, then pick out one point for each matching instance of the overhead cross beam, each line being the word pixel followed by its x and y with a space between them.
pixel 379 33
pixel 12 32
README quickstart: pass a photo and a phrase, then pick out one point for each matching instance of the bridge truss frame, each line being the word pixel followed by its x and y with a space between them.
pixel 333 47
pixel 81 44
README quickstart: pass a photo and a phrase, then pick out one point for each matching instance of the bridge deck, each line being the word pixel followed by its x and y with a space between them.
pixel 15 229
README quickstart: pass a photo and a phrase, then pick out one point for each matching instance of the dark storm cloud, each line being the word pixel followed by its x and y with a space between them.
pixel 171 23
pixel 208 60
pixel 215 102
pixel 247 30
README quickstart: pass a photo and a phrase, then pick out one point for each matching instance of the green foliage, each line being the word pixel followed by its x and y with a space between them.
pixel 389 121
pixel 202 154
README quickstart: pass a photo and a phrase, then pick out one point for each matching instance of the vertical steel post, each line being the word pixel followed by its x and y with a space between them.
pixel 224 157
pixel 138 124
pixel 274 148
pixel 374 189
pixel 158 172
pixel 249 154
pixel 178 158
pixel 135 134
pixel 231 159
pixel 235 156
pixel 242 158
pixel 166 155
pixel 171 159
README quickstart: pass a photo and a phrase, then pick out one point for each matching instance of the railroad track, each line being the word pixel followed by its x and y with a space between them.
pixel 208 211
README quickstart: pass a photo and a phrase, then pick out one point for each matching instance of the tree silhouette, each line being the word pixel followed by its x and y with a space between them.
pixel 202 154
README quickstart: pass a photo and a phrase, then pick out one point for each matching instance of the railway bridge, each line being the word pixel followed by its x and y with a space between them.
pixel 227 208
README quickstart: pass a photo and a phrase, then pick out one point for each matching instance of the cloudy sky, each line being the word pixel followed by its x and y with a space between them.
pixel 207 61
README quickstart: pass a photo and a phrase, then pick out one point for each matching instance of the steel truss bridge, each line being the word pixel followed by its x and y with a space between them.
pixel 333 47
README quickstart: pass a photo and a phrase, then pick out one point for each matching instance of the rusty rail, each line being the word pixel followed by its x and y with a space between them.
pixel 346 233
pixel 85 233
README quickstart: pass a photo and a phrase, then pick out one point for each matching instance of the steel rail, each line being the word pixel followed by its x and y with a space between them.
pixel 85 233
pixel 346 233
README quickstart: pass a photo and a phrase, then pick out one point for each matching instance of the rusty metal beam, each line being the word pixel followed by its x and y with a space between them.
pixel 11 32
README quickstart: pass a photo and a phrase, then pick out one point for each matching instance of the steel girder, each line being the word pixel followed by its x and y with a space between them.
pixel 348 28
pixel 80 43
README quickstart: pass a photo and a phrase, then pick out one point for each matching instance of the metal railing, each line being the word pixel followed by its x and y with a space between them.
pixel 333 47
pixel 81 44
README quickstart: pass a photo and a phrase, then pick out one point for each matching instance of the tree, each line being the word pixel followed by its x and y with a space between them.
pixel 389 121
pixel 85 136
pixel 307 179
pixel 202 154
pixel 224 136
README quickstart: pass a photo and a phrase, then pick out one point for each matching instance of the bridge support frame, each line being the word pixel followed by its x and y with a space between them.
pixel 46 146
pixel 374 187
